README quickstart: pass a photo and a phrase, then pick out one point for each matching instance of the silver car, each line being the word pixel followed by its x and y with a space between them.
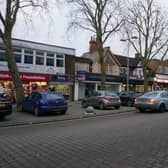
pixel 156 100
pixel 102 99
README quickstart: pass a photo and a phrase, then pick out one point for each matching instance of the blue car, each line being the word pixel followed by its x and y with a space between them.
pixel 45 102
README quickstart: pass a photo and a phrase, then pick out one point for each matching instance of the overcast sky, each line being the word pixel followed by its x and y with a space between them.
pixel 52 30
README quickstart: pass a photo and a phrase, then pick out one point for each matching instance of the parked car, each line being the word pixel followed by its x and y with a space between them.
pixel 5 107
pixel 128 98
pixel 102 99
pixel 156 100
pixel 45 102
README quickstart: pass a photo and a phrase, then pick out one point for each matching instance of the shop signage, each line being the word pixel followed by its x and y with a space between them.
pixel 62 78
pixel 26 77
pixel 161 78
pixel 83 75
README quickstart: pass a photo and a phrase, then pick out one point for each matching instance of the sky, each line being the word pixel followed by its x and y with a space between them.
pixel 53 30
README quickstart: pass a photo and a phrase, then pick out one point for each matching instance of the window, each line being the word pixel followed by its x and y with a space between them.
pixel 18 54
pixel 60 60
pixel 50 59
pixel 2 56
pixel 60 63
pixel 39 58
pixel 50 62
pixel 28 56
pixel 28 59
pixel 18 58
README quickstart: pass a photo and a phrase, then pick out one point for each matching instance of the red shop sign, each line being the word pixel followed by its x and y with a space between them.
pixel 32 77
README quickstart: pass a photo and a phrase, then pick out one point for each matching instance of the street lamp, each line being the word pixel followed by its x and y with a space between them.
pixel 128 48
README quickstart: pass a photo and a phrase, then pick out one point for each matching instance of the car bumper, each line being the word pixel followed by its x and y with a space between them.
pixel 146 106
pixel 109 104
pixel 4 112
pixel 53 109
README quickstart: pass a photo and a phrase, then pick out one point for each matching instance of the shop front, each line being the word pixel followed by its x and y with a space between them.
pixel 86 83
pixel 31 82
pixel 63 84
pixel 160 82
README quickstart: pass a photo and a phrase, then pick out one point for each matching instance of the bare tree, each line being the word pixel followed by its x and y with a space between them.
pixel 8 18
pixel 102 17
pixel 148 22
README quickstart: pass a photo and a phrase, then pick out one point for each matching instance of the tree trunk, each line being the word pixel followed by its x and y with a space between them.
pixel 145 80
pixel 103 74
pixel 18 87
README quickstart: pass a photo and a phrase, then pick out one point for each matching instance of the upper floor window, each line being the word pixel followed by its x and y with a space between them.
pixel 28 56
pixel 2 53
pixel 18 58
pixel 18 54
pixel 60 60
pixel 50 59
pixel 2 56
pixel 39 58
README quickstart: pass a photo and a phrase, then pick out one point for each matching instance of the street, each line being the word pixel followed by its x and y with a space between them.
pixel 134 140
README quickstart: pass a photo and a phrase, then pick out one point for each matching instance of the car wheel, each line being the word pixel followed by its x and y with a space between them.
pixel 141 110
pixel 36 111
pixel 101 106
pixel 84 104
pixel 129 103
pixel 117 107
pixel 63 112
pixel 21 108
pixel 2 117
pixel 161 108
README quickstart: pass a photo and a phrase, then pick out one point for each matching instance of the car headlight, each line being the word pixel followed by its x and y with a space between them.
pixel 152 100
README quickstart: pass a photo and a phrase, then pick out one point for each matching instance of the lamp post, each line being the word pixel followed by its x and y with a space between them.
pixel 128 62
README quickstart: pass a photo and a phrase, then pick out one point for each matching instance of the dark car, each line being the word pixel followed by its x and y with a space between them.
pixel 128 98
pixel 5 107
pixel 45 102
pixel 155 101
pixel 102 99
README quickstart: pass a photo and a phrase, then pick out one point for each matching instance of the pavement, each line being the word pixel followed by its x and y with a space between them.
pixel 75 111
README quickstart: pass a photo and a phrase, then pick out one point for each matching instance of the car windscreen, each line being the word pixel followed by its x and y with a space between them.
pixel 51 96
pixel 151 94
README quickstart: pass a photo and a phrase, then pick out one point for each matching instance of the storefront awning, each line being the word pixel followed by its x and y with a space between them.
pixel 161 78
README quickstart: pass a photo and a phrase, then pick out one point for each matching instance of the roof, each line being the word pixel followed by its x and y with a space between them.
pixel 123 60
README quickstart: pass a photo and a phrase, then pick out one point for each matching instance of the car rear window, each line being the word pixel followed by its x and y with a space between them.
pixel 111 94
pixel 54 96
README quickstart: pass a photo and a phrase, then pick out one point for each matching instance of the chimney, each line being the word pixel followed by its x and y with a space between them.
pixel 93 45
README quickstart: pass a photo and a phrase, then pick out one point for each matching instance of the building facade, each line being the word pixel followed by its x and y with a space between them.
pixel 37 64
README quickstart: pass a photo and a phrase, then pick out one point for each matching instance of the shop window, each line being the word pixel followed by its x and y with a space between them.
pixel 50 62
pixel 18 58
pixel 60 63
pixel 28 59
pixel 39 60
pixel 2 56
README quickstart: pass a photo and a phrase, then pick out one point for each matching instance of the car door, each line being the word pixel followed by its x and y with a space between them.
pixel 165 98
pixel 26 105
pixel 34 101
